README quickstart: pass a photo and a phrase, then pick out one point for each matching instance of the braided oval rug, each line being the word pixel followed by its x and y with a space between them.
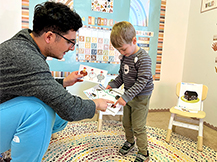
pixel 80 142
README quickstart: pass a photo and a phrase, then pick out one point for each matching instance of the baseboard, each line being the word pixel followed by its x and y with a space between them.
pixel 159 110
pixel 167 110
pixel 210 126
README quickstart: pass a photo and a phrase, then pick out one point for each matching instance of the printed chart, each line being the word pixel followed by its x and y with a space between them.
pixel 94 46
pixel 99 91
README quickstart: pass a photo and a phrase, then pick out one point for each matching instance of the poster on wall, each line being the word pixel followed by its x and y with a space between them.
pixel 207 5
pixel 216 65
pixel 139 12
pixel 66 2
pixel 94 46
pixel 102 6
pixel 214 47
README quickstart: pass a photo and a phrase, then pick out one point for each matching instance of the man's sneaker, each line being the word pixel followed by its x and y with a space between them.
pixel 127 147
pixel 142 158
pixel 4 158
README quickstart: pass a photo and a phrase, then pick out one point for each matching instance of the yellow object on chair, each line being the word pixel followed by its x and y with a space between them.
pixel 190 120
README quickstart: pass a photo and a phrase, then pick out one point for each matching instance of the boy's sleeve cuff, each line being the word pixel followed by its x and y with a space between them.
pixel 126 98
pixel 112 85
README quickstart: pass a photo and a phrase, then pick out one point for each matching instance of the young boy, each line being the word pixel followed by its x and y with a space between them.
pixel 135 73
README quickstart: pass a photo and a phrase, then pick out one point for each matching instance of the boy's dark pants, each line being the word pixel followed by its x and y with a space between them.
pixel 134 121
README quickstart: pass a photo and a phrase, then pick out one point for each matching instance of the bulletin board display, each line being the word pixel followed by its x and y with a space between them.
pixel 95 46
pixel 117 10
pixel 85 9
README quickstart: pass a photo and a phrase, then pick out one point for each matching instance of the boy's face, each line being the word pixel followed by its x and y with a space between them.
pixel 128 49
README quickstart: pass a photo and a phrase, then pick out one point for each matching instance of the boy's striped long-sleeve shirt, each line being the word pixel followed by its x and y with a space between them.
pixel 135 73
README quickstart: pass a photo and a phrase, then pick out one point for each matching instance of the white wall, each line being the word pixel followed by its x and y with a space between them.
pixel 199 63
pixel 187 55
pixel 10 18
pixel 175 33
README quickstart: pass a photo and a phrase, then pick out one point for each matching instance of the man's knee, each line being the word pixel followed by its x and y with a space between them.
pixel 29 114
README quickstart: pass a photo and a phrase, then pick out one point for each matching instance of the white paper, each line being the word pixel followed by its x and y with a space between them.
pixel 93 74
pixel 190 97
pixel 99 91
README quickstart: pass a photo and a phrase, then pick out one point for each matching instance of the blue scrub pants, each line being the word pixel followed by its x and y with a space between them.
pixel 26 125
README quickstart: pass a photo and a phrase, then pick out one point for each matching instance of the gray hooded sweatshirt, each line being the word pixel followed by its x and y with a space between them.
pixel 25 72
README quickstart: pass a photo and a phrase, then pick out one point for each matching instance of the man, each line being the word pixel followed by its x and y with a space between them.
pixel 30 97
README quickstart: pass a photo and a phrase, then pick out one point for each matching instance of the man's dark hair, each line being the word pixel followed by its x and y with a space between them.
pixel 52 16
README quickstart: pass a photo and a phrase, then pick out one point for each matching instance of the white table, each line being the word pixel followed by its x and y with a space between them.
pixel 99 126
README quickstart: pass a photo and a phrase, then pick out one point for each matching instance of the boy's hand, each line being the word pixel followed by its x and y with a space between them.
pixel 120 101
pixel 108 87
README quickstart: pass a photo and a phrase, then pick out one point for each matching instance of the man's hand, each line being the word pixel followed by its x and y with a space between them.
pixel 72 78
pixel 101 104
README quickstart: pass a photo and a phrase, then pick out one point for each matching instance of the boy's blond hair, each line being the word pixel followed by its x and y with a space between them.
pixel 122 33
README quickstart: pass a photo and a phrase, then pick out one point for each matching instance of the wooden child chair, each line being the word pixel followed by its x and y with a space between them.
pixel 190 120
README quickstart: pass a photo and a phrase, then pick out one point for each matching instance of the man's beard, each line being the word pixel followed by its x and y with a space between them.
pixel 48 52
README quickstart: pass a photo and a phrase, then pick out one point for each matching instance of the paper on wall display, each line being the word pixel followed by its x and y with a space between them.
pixel 190 97
pixel 94 46
pixel 139 12
pixel 215 41
pixel 214 38
pixel 143 42
pixel 99 91
pixel 69 3
pixel 93 74
pixel 102 5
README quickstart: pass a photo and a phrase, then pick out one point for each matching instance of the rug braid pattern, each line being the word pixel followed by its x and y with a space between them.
pixel 80 142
